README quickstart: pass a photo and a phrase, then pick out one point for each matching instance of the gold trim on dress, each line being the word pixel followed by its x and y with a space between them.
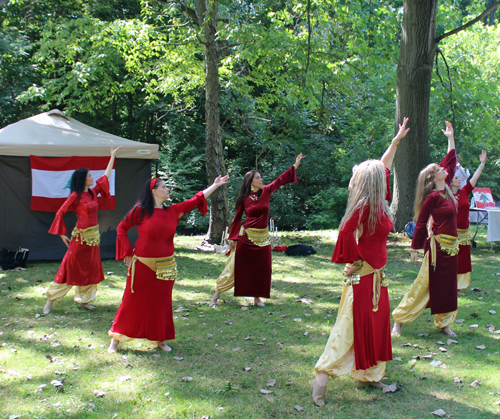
pixel 259 236
pixel 379 280
pixel 165 268
pixel 464 237
pixel 90 235
pixel 447 243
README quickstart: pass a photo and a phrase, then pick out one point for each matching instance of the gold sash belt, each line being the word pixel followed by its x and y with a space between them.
pixel 89 235
pixel 464 237
pixel 448 244
pixel 165 268
pixel 259 236
pixel 379 280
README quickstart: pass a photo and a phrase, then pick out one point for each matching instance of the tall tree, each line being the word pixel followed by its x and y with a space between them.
pixel 418 48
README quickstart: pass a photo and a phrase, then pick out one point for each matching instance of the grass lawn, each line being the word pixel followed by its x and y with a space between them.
pixel 231 352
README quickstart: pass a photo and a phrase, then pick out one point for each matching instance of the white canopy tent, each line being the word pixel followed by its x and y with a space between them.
pixel 52 134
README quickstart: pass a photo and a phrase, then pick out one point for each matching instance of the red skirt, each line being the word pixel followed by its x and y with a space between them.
pixel 372 329
pixel 464 262
pixel 252 269
pixel 80 266
pixel 442 282
pixel 147 312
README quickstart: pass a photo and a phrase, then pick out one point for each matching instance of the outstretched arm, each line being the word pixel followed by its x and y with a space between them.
pixel 479 170
pixel 219 181
pixel 111 161
pixel 449 133
pixel 389 154
pixel 297 161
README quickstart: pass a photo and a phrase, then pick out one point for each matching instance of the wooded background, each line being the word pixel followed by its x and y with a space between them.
pixel 226 86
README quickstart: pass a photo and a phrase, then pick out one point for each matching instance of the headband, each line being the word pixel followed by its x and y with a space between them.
pixel 152 183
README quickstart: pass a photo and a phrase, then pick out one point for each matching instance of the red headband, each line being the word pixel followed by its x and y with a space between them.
pixel 152 183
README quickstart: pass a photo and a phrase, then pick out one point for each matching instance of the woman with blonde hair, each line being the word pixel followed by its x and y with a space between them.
pixel 436 283
pixel 360 341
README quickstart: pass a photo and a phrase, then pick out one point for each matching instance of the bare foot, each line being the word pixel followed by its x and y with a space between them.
pixel 258 302
pixel 47 307
pixel 87 306
pixel 318 385
pixel 447 331
pixel 164 347
pixel 396 329
pixel 214 299
pixel 113 345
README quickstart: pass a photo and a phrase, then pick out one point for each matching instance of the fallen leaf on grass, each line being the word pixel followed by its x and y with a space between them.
pixel 440 412
pixel 481 347
pixel 41 387
pixel 391 388
pixel 492 312
pixel 435 363
pixel 423 334
pixel 55 343
pixel 475 383
pixel 236 348
pixel 406 344
pixel 288 383
pixel 497 403
pixel 271 382
pixel 178 358
pixel 457 380
pixel 247 338
pixel 244 308
pixel 475 289
pixel 269 398
pixel 56 383
pixel 99 393
pixel 210 336
pixel 473 327
pixel 298 408
pixel 459 321
pixel 297 319
pixel 124 378
pixel 398 358
pixel 228 322
pixel 443 349
pixel 304 300
pixel 186 379
pixel 306 333
pixel 60 372
pixel 246 369
pixel 429 356
pixel 450 341
pixel 264 391
pixel 181 310
pixel 440 343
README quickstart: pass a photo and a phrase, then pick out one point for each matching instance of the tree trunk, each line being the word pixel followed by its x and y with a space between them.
pixel 214 153
pixel 416 56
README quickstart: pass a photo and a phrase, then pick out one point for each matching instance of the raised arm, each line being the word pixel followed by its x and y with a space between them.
pixel 219 181
pixel 107 173
pixel 449 133
pixel 479 170
pixel 389 154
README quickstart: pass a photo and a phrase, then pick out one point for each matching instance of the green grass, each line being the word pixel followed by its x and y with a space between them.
pixel 271 343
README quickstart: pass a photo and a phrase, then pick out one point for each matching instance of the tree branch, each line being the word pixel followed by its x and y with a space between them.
pixel 470 23
pixel 308 33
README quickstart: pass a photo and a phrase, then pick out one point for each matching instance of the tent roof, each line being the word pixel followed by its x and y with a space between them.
pixel 52 134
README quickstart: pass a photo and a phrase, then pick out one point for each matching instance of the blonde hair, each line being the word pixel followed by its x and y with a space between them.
pixel 425 185
pixel 367 187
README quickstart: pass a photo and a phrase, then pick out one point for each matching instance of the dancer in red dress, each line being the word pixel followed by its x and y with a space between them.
pixel 146 308
pixel 360 341
pixel 436 283
pixel 250 265
pixel 81 265
pixel 464 236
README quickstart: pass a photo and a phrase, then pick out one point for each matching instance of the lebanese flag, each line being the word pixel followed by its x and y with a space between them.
pixel 51 180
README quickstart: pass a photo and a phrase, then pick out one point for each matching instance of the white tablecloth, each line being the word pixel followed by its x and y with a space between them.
pixel 493 221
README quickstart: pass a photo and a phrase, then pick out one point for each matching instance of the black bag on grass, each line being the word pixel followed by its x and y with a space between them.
pixel 300 250
pixel 12 259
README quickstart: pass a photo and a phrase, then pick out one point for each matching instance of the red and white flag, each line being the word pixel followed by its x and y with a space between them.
pixel 51 180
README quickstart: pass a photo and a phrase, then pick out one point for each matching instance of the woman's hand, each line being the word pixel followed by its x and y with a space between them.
pixel 414 256
pixel 232 245
pixel 65 239
pixel 350 269
pixel 114 151
pixel 402 131
pixel 482 157
pixel 297 160
pixel 220 180
pixel 449 129
pixel 127 260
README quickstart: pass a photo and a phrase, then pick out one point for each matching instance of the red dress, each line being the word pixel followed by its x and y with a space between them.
pixel 464 259
pixel 372 329
pixel 443 279
pixel 81 264
pixel 253 264
pixel 147 312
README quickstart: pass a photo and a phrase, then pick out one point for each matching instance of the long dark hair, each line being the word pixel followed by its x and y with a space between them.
pixel 78 180
pixel 146 201
pixel 246 188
